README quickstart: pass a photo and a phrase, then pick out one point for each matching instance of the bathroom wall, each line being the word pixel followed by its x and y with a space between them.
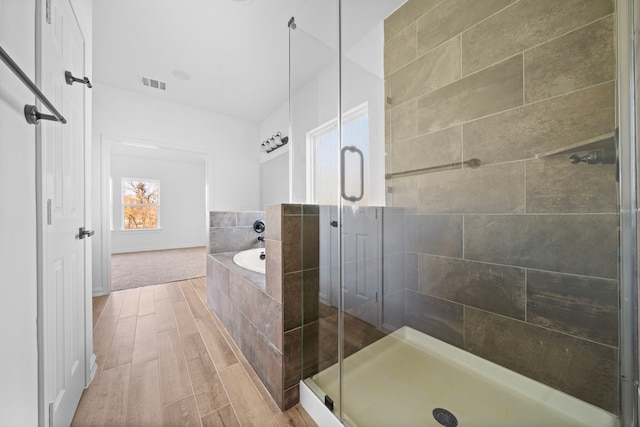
pixel 515 261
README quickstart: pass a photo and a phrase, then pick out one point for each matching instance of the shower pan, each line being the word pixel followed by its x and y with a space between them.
pixel 474 172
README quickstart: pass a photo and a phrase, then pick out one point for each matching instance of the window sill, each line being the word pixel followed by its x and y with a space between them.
pixel 129 230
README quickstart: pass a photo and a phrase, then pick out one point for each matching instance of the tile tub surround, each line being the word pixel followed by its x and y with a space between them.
pixel 233 231
pixel 515 261
pixel 252 318
pixel 263 312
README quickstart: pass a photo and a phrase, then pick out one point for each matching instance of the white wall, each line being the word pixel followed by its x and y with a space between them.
pixel 274 166
pixel 18 245
pixel 182 194
pixel 18 308
pixel 230 144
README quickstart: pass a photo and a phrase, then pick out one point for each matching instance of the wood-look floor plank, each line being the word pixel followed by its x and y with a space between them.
pixel 174 377
pixel 144 407
pixel 161 291
pixel 145 345
pixel 147 301
pixel 193 346
pixel 219 350
pixel 182 413
pixel 184 319
pixel 295 417
pixel 164 315
pixel 121 351
pixel 83 412
pixel 110 403
pixel 130 304
pixel 207 387
pixel 175 294
pixel 200 285
pixel 98 305
pixel 102 338
pixel 223 417
pixel 250 408
pixel 114 304
pixel 198 308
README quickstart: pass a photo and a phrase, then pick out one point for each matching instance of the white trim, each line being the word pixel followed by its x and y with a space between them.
pixel 316 410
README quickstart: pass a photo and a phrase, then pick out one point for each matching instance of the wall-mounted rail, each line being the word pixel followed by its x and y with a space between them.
pixel 31 114
pixel 472 163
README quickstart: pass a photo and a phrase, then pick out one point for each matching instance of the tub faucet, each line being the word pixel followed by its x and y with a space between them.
pixel 260 239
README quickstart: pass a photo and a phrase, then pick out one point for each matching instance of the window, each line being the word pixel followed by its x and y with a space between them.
pixel 140 204
pixel 323 164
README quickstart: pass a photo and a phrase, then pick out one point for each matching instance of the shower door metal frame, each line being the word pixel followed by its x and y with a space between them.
pixel 628 163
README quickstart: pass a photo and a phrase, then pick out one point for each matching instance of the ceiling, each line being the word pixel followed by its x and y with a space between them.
pixel 236 52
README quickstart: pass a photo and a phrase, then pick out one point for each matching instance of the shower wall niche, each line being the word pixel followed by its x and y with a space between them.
pixel 515 260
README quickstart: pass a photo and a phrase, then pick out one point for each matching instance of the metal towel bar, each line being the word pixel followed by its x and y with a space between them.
pixel 472 163
pixel 30 112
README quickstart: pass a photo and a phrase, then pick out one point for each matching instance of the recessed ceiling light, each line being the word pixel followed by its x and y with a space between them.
pixel 182 75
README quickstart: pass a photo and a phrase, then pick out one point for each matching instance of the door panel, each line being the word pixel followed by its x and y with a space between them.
pixel 61 154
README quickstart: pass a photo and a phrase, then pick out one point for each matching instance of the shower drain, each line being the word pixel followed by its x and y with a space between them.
pixel 444 417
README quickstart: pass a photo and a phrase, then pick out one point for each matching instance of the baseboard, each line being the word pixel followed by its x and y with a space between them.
pixel 156 248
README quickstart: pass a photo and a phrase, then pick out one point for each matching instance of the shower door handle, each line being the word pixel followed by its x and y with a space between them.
pixel 353 149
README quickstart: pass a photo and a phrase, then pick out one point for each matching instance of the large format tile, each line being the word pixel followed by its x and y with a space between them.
pixel 292 357
pixel 489 91
pixel 403 121
pixel 581 368
pixel 291 243
pixel 554 185
pixel 451 18
pixel 435 234
pixel 489 189
pixel 537 128
pixel 273 222
pixel 121 351
pixel 405 15
pixel 273 269
pixel 579 305
pixel 436 317
pixel 494 288
pixel 433 149
pixel 223 219
pixel 264 312
pixel 400 50
pixel 232 239
pixel 577 244
pixel 437 68
pixel 577 60
pixel 511 31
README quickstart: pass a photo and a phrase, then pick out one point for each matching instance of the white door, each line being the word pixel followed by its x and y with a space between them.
pixel 61 165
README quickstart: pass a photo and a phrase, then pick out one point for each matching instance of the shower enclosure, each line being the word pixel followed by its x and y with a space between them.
pixel 468 186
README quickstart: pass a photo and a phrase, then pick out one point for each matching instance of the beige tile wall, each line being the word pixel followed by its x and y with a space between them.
pixel 515 261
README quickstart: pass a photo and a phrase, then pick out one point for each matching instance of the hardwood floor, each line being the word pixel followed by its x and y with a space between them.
pixel 164 359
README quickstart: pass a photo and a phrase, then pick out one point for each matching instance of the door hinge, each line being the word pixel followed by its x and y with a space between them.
pixel 376 296
pixel 48 211
pixel 334 224
pixel 48 11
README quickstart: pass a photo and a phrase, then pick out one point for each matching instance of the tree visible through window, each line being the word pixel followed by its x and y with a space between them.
pixel 140 202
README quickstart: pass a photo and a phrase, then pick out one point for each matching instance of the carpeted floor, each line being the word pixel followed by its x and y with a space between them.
pixel 135 269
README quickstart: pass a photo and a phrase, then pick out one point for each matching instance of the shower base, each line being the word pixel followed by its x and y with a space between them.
pixel 400 379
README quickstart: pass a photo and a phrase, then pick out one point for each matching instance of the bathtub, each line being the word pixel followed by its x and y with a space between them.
pixel 250 259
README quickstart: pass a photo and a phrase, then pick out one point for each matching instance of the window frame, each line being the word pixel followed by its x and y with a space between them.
pixel 124 205
pixel 314 134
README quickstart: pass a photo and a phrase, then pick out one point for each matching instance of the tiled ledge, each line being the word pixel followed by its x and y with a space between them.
pixel 226 258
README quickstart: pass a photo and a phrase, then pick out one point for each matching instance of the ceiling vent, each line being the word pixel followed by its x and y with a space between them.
pixel 152 83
